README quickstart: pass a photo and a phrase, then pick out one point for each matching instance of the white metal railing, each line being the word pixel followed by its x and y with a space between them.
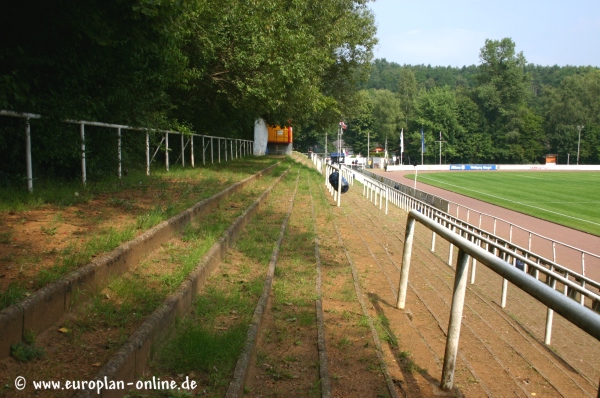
pixel 242 147
pixel 574 285
pixel 582 317
pixel 336 192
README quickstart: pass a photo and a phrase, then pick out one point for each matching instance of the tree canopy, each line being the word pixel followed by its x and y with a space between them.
pixel 502 110
pixel 210 63
pixel 213 66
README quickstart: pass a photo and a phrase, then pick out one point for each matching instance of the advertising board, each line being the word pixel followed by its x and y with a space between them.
pixel 473 167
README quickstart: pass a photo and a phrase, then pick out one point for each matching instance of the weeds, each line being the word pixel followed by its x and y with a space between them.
pixel 51 231
pixel 5 237
pixel 13 294
pixel 25 351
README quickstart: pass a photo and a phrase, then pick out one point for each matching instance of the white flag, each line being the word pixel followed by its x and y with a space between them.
pixel 402 141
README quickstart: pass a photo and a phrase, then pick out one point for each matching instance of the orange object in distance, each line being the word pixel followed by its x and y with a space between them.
pixel 278 134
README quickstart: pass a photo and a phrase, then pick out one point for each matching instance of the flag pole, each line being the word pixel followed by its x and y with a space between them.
pixel 401 146
pixel 440 141
pixel 422 144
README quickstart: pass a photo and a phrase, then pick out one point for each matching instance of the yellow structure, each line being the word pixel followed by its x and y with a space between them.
pixel 279 135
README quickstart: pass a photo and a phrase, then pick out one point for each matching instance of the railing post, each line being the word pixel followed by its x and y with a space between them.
pixel 433 237
pixel 504 292
pixel 406 255
pixel 119 150
pixel 212 152
pixel 192 150
pixel 83 171
pixel 582 300
pixel 339 190
pixel 387 194
pixel 28 155
pixel 549 319
pixel 504 284
pixel 182 151
pixel 167 150
pixel 147 153
pixel 450 252
pixel 474 263
pixel 458 301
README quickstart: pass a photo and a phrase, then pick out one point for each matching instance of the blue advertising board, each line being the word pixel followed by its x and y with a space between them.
pixel 473 167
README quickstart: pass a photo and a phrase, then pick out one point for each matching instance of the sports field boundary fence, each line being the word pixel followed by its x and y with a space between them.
pixel 469 246
pixel 237 147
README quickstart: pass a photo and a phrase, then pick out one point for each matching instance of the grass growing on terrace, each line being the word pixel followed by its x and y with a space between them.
pixel 567 198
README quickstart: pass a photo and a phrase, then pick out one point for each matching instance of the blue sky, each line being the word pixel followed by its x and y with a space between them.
pixel 438 32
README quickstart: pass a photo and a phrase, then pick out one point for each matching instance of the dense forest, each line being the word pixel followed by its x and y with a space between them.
pixel 500 111
pixel 211 67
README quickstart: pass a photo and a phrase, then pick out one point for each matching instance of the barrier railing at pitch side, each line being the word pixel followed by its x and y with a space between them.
pixel 345 173
pixel 574 285
pixel 513 232
pixel 318 161
pixel 584 318
pixel 242 147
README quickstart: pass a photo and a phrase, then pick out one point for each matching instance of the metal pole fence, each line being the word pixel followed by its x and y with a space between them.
pixel 28 116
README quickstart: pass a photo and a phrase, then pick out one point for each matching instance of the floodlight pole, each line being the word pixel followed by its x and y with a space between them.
pixel 579 142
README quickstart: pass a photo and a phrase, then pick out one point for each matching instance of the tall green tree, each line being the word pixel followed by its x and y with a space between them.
pixel 437 112
pixel 502 81
pixel 473 144
pixel 387 117
pixel 576 102
pixel 407 91
pixel 360 126
pixel 502 89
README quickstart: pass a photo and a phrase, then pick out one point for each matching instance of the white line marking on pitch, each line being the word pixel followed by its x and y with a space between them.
pixel 513 201
pixel 537 178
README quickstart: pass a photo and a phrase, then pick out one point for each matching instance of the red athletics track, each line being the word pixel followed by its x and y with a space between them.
pixel 569 236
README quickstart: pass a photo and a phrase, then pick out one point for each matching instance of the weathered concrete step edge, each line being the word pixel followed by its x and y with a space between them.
pixel 242 367
pixel 131 363
pixel 46 306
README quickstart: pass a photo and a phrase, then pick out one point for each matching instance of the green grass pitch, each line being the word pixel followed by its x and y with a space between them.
pixel 567 198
